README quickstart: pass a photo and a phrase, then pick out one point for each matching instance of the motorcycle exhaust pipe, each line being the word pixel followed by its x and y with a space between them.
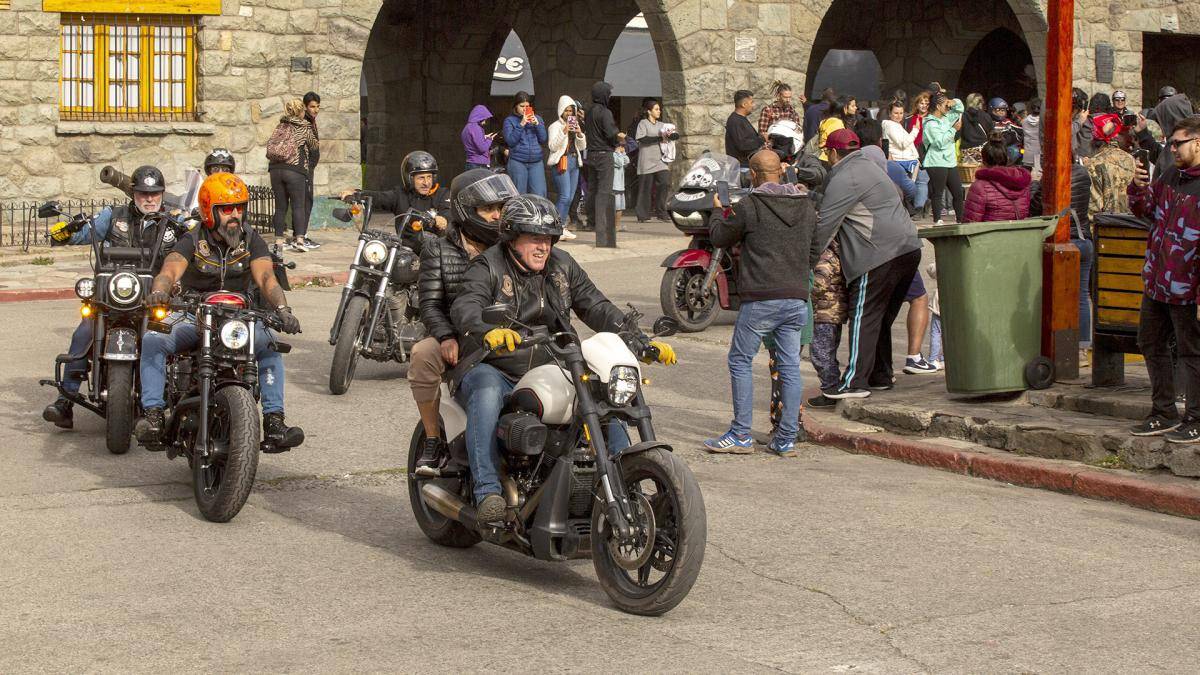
pixel 448 505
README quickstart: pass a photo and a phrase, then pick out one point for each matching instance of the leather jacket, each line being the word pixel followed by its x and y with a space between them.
pixel 443 264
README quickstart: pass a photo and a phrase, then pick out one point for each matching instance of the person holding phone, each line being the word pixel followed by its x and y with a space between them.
pixel 525 133
pixel 565 147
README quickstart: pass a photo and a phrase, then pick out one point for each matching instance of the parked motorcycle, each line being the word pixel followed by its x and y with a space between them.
pixel 701 279
pixel 383 275
pixel 212 413
pixel 113 299
pixel 637 512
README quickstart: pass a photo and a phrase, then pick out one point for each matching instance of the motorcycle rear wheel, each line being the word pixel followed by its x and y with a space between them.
pixel 439 529
pixel 350 341
pixel 680 531
pixel 682 299
pixel 223 483
pixel 118 409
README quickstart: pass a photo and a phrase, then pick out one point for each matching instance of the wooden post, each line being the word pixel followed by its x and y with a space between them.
pixel 1060 258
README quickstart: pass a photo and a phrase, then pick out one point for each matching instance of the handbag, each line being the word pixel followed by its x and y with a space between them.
pixel 561 167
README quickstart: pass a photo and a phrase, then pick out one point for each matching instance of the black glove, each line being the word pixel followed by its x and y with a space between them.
pixel 158 299
pixel 288 322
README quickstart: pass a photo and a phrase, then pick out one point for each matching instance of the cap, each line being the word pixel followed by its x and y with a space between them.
pixel 843 139
pixel 1118 94
pixel 1166 92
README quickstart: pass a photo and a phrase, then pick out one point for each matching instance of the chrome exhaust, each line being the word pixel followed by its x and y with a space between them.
pixel 448 505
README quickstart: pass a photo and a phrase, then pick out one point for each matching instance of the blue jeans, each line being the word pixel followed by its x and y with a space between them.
pixel 81 342
pixel 786 319
pixel 529 177
pixel 1087 257
pixel 935 339
pixel 564 184
pixel 483 392
pixel 922 197
pixel 156 346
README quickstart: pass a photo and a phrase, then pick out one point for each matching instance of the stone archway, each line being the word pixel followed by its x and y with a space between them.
pixel 1000 65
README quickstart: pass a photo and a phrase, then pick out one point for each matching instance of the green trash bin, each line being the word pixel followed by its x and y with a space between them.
pixel 989 279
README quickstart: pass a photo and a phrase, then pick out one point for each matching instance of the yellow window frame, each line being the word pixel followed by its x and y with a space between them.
pixel 110 29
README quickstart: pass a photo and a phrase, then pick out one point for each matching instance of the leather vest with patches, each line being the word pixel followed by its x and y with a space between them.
pixel 214 268
pixel 127 227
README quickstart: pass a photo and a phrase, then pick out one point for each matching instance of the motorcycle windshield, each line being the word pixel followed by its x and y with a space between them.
pixel 712 168
pixel 191 189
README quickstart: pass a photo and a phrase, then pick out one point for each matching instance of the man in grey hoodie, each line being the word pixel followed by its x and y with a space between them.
pixel 880 253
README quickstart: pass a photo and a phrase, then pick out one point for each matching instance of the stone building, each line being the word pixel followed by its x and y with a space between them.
pixel 85 83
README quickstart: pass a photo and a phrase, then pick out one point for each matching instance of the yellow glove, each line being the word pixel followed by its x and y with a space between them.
pixel 506 337
pixel 59 231
pixel 666 354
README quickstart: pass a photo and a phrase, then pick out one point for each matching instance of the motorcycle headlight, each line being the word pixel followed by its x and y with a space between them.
pixel 690 220
pixel 622 385
pixel 124 288
pixel 85 288
pixel 235 334
pixel 375 252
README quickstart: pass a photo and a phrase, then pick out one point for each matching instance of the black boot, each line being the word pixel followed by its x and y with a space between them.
pixel 149 429
pixel 432 451
pixel 277 435
pixel 61 412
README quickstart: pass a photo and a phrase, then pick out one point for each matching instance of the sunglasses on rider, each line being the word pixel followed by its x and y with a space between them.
pixel 1174 143
pixel 230 209
pixel 1122 99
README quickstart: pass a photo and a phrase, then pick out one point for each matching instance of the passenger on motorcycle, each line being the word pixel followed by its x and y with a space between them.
pixel 418 190
pixel 543 285
pixel 476 198
pixel 223 254
pixel 219 160
pixel 113 226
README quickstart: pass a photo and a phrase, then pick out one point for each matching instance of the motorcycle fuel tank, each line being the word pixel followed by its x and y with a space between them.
pixel 552 387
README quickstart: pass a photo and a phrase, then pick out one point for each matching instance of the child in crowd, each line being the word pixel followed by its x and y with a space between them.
pixel 935 330
pixel 830 301
pixel 620 161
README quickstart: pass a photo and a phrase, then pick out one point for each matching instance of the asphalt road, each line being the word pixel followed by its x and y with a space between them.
pixel 828 562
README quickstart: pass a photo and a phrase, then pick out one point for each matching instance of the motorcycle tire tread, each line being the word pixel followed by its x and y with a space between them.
pixel 119 415
pixel 240 468
pixel 341 369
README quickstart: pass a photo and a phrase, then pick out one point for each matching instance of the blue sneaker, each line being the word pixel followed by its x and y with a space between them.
pixel 782 448
pixel 730 443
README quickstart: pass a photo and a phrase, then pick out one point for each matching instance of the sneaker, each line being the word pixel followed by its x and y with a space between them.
pixel 939 223
pixel 821 401
pixel 1155 425
pixel 150 427
pixel 295 247
pixel 919 366
pixel 277 435
pixel 61 413
pixel 311 244
pixel 1188 432
pixel 431 452
pixel 846 393
pixel 940 365
pixel 567 235
pixel 782 448
pixel 730 443
pixel 886 386
pixel 490 510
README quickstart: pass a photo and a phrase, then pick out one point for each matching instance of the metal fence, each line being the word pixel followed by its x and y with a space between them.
pixel 20 226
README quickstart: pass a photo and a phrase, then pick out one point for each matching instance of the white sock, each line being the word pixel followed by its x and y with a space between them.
pixel 915 357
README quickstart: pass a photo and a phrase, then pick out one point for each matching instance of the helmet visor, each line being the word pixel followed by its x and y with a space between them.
pixel 493 189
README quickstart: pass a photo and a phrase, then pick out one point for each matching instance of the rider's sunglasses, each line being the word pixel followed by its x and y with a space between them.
pixel 1174 143
pixel 230 209
pixel 1119 99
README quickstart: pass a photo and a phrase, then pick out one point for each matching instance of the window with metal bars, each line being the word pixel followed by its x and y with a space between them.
pixel 128 67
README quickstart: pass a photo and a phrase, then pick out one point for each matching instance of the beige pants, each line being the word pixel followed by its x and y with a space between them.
pixel 425 370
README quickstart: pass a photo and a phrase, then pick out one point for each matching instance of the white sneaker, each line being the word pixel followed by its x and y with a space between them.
pixel 938 223
pixel 567 235
pixel 940 365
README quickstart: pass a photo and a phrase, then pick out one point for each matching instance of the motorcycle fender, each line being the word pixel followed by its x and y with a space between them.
pixel 121 345
pixel 688 257
pixel 550 522
pixel 640 447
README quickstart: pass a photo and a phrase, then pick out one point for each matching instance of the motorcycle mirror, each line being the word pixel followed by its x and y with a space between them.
pixel 49 210
pixel 498 314
pixel 342 215
pixel 665 326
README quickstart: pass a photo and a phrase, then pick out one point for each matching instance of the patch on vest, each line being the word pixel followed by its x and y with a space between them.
pixel 203 249
pixel 506 286
pixel 121 226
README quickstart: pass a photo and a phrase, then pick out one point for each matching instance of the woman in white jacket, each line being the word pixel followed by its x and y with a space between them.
pixel 565 145
pixel 902 149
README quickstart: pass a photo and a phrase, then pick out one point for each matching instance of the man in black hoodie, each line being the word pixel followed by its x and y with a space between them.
pixel 602 139
pixel 776 226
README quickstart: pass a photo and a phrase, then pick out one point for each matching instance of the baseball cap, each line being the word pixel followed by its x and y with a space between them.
pixel 1166 92
pixel 843 139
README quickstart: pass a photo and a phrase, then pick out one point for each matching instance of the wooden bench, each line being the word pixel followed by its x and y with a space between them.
pixel 1117 301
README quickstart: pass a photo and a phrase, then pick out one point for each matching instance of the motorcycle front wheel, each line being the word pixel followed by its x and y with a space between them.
pixel 438 528
pixel 350 341
pixel 118 408
pixel 655 572
pixel 683 299
pixel 222 483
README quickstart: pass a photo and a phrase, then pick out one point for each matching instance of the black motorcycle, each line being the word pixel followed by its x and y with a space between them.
pixel 113 299
pixel 212 414
pixel 378 316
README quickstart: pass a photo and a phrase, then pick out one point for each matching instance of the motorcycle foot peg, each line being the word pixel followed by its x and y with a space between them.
pixel 269 448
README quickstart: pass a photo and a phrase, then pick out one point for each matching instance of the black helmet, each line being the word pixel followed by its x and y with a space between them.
pixel 1166 92
pixel 147 179
pixel 415 162
pixel 477 187
pixel 220 157
pixel 530 214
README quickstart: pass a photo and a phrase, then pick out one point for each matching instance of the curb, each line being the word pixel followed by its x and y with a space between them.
pixel 1045 474
pixel 35 294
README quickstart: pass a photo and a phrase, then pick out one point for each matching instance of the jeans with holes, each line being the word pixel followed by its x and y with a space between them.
pixel 785 318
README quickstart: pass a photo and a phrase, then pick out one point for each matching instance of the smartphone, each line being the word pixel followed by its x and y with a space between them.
pixel 1142 156
pixel 723 193
pixel 571 120
pixel 1129 119
pixel 529 112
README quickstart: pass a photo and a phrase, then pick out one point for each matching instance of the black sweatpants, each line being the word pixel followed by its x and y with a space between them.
pixel 652 194
pixel 600 203
pixel 290 187
pixel 875 301
pixel 1160 322
pixel 940 180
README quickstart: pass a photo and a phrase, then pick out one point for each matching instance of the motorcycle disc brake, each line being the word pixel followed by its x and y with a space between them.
pixel 633 554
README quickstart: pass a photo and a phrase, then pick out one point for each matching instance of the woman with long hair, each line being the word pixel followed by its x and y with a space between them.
pixel 841 115
pixel 656 150
pixel 525 133
pixel 941 158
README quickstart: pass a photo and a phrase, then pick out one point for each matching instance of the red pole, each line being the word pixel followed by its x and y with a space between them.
pixel 1060 269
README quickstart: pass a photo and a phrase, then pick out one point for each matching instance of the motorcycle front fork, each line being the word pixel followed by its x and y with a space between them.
pixel 612 485
pixel 714 266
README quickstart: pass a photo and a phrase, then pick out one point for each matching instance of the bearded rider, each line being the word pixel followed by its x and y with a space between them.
pixel 223 254
pixel 113 226
pixel 418 190
pixel 476 198
pixel 544 285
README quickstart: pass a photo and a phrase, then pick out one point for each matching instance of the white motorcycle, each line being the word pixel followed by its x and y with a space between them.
pixel 636 511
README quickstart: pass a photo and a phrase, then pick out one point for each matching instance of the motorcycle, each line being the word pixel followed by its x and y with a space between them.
pixel 701 279
pixel 382 261
pixel 113 299
pixel 636 512
pixel 212 393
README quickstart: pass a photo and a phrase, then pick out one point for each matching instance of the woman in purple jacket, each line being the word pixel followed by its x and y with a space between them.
pixel 477 143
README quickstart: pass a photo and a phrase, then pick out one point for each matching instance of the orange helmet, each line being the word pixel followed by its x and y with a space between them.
pixel 220 189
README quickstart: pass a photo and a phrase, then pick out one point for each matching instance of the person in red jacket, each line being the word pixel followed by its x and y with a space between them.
pixel 1000 191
